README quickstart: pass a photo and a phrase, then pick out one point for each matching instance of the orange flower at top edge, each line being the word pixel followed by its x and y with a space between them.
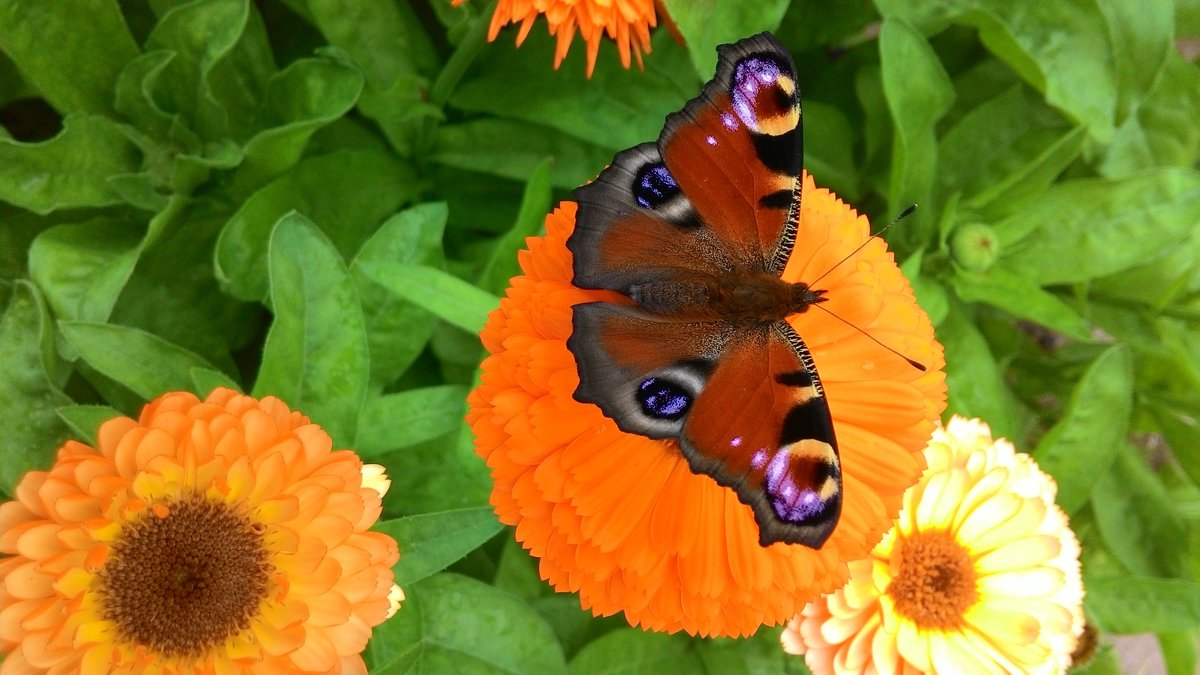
pixel 223 536
pixel 626 22
pixel 620 518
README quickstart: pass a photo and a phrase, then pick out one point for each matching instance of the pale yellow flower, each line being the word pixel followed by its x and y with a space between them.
pixel 979 575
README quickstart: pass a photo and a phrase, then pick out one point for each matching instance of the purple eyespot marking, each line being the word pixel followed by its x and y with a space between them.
pixel 729 121
pixel 751 75
pixel 790 502
pixel 663 399
pixel 654 186
pixel 736 441
pixel 711 140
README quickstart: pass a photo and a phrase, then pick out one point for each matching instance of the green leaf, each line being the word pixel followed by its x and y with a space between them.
pixel 451 623
pixel 445 295
pixel 759 653
pixel 70 170
pixel 1141 37
pixel 975 385
pixel 629 650
pixel 315 356
pixel 431 542
pixel 1021 298
pixel 502 263
pixel 829 149
pixel 1164 128
pixel 348 193
pixel 398 330
pixel 1075 75
pixel 224 62
pixel 1104 662
pixel 381 40
pixel 409 417
pixel 82 267
pixel 1178 651
pixel 515 149
pixel 204 380
pixel 1008 148
pixel 1092 227
pixel 918 93
pixel 85 420
pixel 437 475
pixel 1082 445
pixel 1128 604
pixel 70 51
pixel 705 24
pixel 299 100
pixel 1138 520
pixel 28 395
pixel 615 109
pixel 143 362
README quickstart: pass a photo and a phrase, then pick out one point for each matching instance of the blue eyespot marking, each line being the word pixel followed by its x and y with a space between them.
pixel 790 501
pixel 663 399
pixel 750 76
pixel 654 186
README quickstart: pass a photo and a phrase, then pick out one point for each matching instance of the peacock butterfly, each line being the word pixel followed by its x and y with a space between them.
pixel 694 231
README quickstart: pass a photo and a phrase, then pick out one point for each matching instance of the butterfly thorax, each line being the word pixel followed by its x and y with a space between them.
pixel 740 298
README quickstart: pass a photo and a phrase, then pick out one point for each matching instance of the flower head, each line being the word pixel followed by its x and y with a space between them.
pixel 622 520
pixel 979 575
pixel 626 22
pixel 216 536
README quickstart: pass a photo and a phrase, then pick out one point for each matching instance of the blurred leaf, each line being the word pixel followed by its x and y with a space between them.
pixel 1009 148
pixel 437 475
pixel 315 356
pixel 1091 227
pixel 204 380
pixel 829 149
pixel 1104 662
pixel 28 396
pixel 145 363
pixel 348 193
pixel 1182 432
pixel 71 50
pixel 70 170
pixel 431 542
pixel 975 385
pixel 1075 75
pixel 1021 298
pixel 1178 651
pixel 1127 605
pixel 1164 128
pixel 1141 37
pixel 398 330
pixel 85 420
pixel 918 93
pixel 1138 519
pixel 452 623
pixel 629 650
pixel 1082 445
pixel 445 295
pixel 502 263
pixel 705 24
pixel 515 149
pixel 409 417
pixel 759 653
pixel 82 267
pixel 615 109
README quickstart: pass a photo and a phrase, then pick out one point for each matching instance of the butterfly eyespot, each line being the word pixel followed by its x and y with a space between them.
pixel 654 186
pixel 663 399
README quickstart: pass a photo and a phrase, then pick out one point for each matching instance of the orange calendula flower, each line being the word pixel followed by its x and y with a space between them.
pixel 222 536
pixel 622 520
pixel 626 22
pixel 979 575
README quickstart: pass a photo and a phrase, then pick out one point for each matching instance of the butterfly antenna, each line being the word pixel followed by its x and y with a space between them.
pixel 915 364
pixel 903 214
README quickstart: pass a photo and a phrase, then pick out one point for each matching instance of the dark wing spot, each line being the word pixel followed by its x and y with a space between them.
pixel 661 398
pixel 808 420
pixel 778 153
pixel 654 186
pixel 796 378
pixel 780 199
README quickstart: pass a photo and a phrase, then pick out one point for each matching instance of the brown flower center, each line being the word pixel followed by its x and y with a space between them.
pixel 182 582
pixel 934 582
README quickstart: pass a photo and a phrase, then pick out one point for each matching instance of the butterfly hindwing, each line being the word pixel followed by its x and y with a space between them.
pixel 762 427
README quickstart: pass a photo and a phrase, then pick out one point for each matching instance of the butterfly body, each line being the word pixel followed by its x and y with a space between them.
pixel 695 231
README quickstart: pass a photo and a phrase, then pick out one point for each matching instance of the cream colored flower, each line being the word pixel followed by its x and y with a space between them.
pixel 979 575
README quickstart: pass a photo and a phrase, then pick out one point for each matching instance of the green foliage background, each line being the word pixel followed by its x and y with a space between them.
pixel 321 200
